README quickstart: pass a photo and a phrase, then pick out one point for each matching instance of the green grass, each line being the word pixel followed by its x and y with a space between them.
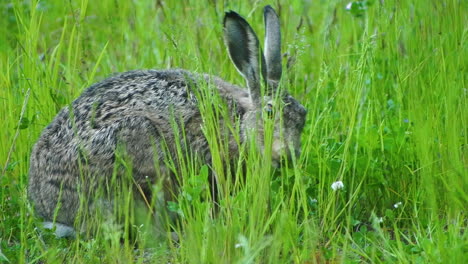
pixel 386 93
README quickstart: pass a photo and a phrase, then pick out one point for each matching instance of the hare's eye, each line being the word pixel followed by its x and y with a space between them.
pixel 269 110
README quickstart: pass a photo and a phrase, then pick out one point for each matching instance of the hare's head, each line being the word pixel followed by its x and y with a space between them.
pixel 271 105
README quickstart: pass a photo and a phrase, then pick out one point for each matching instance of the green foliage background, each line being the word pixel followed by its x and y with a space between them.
pixel 385 84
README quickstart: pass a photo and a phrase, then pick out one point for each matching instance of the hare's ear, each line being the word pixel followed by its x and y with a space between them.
pixel 272 46
pixel 245 53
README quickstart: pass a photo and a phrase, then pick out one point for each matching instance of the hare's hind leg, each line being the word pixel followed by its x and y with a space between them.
pixel 149 146
pixel 138 153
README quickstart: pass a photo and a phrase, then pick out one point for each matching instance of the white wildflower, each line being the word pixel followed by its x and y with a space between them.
pixel 242 243
pixel 379 220
pixel 349 5
pixel 397 204
pixel 337 185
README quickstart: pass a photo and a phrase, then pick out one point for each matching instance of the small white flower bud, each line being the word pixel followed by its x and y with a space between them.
pixel 337 185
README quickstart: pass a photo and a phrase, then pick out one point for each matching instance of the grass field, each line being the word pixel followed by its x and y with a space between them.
pixel 385 85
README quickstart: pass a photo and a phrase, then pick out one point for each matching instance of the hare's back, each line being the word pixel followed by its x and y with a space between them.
pixel 131 102
pixel 157 91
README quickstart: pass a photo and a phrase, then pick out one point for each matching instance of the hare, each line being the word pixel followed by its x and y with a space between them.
pixel 135 109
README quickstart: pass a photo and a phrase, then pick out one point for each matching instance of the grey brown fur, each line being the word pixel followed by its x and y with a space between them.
pixel 136 109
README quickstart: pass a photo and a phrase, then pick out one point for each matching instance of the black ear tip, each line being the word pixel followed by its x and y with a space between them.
pixel 231 14
pixel 267 8
pixel 228 15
